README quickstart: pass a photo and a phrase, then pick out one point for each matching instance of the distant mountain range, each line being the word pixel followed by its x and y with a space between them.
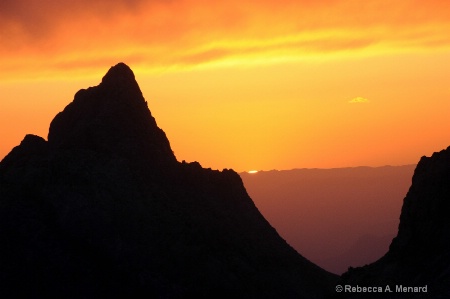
pixel 104 210
pixel 338 217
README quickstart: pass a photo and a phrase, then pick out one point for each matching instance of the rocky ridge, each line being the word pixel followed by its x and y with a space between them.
pixel 104 209
pixel 420 253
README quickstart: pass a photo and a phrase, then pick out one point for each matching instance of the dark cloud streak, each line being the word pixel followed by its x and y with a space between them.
pixel 35 20
pixel 191 32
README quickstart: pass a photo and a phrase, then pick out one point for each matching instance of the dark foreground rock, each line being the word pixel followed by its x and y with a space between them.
pixel 104 210
pixel 420 254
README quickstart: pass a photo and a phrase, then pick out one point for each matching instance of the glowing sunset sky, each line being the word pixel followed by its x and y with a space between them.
pixel 243 84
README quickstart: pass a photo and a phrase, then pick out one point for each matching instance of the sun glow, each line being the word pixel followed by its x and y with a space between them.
pixel 253 171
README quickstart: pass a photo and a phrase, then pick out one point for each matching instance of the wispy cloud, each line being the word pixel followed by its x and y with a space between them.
pixel 358 100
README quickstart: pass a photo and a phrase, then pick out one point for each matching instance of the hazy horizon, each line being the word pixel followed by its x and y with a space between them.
pixel 322 168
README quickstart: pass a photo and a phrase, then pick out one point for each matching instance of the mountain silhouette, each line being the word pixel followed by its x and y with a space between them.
pixel 104 210
pixel 420 253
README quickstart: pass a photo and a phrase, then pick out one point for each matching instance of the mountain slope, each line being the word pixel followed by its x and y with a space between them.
pixel 420 253
pixel 103 209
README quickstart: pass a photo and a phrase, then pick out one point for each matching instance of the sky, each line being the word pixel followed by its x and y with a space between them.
pixel 243 84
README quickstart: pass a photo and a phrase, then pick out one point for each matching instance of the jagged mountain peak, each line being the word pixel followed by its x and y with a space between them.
pixel 118 74
pixel 112 117
pixel 120 80
pixel 103 209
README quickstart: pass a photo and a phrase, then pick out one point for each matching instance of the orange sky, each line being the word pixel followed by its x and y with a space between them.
pixel 243 84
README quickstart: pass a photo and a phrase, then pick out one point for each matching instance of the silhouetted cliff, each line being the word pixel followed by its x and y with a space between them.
pixel 104 210
pixel 420 254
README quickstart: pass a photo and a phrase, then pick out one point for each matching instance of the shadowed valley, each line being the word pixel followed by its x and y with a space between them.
pixel 337 218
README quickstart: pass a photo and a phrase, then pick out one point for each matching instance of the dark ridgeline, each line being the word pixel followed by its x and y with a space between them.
pixel 104 210
pixel 420 254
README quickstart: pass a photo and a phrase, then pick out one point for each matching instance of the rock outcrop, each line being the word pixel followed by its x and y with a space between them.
pixel 420 254
pixel 104 210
